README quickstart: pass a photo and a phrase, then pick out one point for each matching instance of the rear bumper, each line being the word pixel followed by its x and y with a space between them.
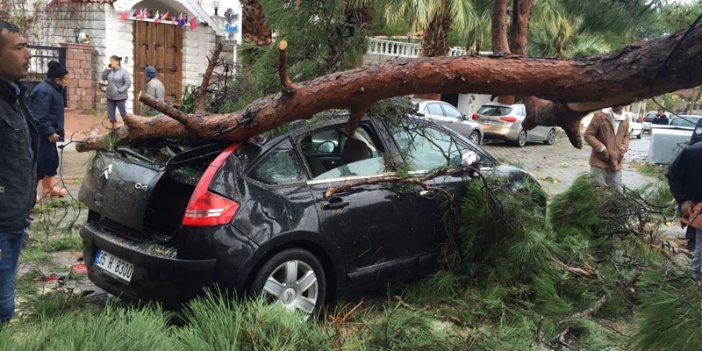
pixel 509 132
pixel 158 274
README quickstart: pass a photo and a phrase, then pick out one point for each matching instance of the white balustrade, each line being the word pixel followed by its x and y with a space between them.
pixel 403 49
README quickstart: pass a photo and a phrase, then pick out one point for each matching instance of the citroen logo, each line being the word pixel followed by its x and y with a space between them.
pixel 106 172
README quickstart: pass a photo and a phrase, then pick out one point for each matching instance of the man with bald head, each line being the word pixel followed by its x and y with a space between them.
pixel 18 162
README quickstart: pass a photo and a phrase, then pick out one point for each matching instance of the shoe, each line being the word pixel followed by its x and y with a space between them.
pixel 60 192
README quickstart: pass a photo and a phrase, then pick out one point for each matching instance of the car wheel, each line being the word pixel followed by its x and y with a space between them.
pixel 550 137
pixel 640 135
pixel 293 278
pixel 474 137
pixel 521 138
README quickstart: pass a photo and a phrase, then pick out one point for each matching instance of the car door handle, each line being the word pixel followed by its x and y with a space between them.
pixel 334 203
pixel 427 194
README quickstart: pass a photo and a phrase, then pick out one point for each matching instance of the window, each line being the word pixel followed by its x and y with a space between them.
pixel 332 154
pixel 279 167
pixel 489 110
pixel 425 148
pixel 434 109
pixel 450 111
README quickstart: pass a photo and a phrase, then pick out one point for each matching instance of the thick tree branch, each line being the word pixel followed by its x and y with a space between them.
pixel 498 29
pixel 201 98
pixel 584 85
pixel 288 86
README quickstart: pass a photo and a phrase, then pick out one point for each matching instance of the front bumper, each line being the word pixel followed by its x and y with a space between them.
pixel 158 274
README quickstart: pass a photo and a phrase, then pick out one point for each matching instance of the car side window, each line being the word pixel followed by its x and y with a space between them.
pixel 279 167
pixel 434 109
pixel 450 111
pixel 332 153
pixel 425 148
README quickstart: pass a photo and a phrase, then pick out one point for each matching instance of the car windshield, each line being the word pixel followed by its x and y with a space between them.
pixel 489 110
pixel 685 121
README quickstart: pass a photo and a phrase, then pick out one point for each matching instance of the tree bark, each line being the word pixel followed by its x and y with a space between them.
pixel 254 27
pixel 521 9
pixel 500 44
pixel 201 99
pixel 575 87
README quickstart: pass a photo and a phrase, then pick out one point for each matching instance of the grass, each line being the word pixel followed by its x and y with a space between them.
pixel 516 282
pixel 652 170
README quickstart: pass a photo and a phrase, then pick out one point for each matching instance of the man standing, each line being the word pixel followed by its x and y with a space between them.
pixel 660 118
pixel 154 87
pixel 19 142
pixel 684 181
pixel 608 135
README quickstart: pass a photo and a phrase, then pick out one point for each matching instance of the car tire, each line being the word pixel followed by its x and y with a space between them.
pixel 474 137
pixel 521 138
pixel 293 278
pixel 550 137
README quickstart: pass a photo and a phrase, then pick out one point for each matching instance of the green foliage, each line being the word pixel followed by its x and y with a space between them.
pixel 670 313
pixel 652 170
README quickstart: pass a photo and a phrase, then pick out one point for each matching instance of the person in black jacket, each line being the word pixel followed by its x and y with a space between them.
pixel 691 233
pixel 48 110
pixel 684 177
pixel 18 149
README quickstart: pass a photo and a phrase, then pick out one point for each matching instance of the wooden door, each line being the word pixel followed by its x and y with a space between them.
pixel 159 45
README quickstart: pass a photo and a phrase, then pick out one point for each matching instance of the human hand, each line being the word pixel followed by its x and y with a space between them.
pixel 54 138
pixel 686 208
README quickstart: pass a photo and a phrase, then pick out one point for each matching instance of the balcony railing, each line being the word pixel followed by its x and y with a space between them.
pixel 405 49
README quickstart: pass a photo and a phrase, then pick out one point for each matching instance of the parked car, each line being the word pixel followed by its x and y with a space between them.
pixel 505 122
pixel 252 217
pixel 668 140
pixel 635 127
pixel 448 116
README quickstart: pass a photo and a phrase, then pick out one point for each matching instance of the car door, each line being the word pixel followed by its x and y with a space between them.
pixel 375 225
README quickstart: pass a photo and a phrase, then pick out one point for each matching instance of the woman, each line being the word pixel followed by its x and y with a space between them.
pixel 48 109
pixel 118 83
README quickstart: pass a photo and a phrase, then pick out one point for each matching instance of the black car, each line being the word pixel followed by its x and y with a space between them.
pixel 165 222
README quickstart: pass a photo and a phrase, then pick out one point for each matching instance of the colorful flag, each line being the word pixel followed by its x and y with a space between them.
pixel 123 15
pixel 193 23
pixel 157 17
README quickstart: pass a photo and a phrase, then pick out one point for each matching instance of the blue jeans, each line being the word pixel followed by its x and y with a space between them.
pixel 10 247
pixel 697 258
pixel 120 105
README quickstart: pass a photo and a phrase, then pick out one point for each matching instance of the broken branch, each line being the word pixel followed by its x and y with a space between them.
pixel 202 91
pixel 288 86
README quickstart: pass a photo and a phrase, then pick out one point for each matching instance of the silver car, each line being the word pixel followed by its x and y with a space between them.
pixel 448 116
pixel 501 121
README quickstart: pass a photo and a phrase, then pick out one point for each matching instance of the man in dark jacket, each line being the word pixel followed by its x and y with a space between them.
pixel 690 234
pixel 18 150
pixel 47 109
pixel 684 177
pixel 661 118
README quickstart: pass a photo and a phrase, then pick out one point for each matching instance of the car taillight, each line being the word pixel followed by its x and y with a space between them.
pixel 206 208
pixel 475 116
pixel 508 119
pixel 644 119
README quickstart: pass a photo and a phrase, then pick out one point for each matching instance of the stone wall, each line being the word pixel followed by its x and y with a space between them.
pixel 80 89
pixel 197 46
pixel 119 41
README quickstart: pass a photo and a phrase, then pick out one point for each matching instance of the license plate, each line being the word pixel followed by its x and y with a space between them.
pixel 487 122
pixel 114 265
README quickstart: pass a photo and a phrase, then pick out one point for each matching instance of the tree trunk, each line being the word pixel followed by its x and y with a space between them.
pixel 500 44
pixel 435 41
pixel 521 9
pixel 575 86
pixel 254 27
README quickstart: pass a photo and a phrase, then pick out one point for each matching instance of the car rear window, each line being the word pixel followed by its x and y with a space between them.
pixel 494 110
pixel 685 121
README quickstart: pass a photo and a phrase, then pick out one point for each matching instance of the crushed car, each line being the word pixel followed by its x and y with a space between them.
pixel 166 222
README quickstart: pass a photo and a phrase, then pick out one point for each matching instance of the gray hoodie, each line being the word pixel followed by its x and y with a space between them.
pixel 118 83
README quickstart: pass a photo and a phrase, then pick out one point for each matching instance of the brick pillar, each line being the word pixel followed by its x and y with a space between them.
pixel 80 89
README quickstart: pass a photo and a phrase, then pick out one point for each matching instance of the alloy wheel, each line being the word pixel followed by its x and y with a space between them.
pixel 293 284
pixel 474 137
pixel 550 137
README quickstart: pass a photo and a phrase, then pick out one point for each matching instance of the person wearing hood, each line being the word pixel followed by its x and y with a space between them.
pixel 608 135
pixel 154 87
pixel 118 83
pixel 48 109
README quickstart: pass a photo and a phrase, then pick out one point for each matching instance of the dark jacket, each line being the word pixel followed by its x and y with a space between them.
pixel 19 141
pixel 685 174
pixel 47 110
pixel 663 120
pixel 600 133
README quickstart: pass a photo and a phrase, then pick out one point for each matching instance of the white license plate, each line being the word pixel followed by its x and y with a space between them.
pixel 114 265
pixel 488 122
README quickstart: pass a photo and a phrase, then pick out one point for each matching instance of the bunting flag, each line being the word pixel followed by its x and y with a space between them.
pixel 141 14
pixel 157 17
pixel 181 20
pixel 193 23
pixel 123 15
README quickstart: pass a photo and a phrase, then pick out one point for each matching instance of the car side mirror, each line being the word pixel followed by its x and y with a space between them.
pixel 469 158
